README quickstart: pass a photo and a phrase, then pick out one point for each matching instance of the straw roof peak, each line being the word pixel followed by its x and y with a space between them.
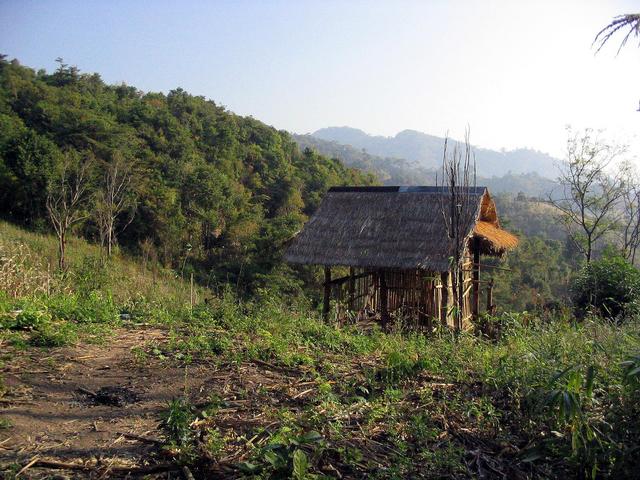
pixel 391 227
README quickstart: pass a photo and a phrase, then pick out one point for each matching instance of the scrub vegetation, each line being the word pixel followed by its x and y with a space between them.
pixel 296 397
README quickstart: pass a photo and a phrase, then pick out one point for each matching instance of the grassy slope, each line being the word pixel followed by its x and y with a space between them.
pixel 387 405
pixel 35 255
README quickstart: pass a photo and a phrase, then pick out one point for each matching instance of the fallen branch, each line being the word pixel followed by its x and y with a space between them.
pixel 33 461
pixel 132 436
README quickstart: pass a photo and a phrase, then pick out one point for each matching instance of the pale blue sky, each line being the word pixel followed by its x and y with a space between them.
pixel 517 72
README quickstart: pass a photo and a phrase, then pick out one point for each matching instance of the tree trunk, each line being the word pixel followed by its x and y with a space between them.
pixel 62 243
pixel 109 241
pixel 444 297
pixel 460 299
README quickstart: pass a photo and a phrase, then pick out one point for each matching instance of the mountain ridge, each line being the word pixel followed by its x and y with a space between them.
pixel 400 171
pixel 426 151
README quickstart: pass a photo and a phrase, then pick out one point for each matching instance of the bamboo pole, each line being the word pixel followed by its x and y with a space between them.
pixel 490 305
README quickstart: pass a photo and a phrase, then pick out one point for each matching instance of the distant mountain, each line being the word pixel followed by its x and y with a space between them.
pixel 398 171
pixel 426 151
pixel 391 171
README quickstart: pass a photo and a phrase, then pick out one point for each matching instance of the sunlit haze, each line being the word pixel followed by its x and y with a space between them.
pixel 516 72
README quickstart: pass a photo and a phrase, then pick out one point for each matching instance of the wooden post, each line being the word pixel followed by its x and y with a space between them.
pixel 430 305
pixel 444 297
pixel 384 300
pixel 490 305
pixel 191 293
pixel 461 310
pixel 327 292
pixel 352 288
pixel 475 306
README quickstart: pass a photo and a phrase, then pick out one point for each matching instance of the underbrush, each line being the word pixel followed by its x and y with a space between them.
pixel 549 399
pixel 41 306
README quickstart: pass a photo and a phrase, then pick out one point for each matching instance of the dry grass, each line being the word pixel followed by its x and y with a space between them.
pixel 21 272
pixel 28 266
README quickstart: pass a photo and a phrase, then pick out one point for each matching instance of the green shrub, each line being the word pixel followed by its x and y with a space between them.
pixel 24 315
pixel 53 334
pixel 141 309
pixel 94 307
pixel 91 275
pixel 177 425
pixel 609 287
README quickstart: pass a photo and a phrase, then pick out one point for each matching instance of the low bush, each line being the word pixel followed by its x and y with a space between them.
pixel 54 334
pixel 95 307
pixel 609 287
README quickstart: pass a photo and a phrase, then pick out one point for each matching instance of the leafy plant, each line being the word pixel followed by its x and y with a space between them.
pixel 631 371
pixel 610 287
pixel 54 334
pixel 572 394
pixel 287 457
pixel 177 423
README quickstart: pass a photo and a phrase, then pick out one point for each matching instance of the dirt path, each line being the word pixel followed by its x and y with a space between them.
pixel 54 417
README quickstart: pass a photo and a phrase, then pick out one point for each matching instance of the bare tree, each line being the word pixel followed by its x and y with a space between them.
pixel 630 21
pixel 113 198
pixel 631 215
pixel 66 198
pixel 591 188
pixel 458 208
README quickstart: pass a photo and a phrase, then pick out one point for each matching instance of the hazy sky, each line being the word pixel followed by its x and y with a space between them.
pixel 517 72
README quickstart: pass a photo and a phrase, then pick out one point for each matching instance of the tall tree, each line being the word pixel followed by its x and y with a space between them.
pixel 630 21
pixel 114 197
pixel 66 197
pixel 591 187
pixel 630 228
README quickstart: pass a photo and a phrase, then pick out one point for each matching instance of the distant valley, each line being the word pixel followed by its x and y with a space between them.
pixel 412 158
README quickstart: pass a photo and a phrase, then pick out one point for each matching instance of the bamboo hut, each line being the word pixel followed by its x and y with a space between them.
pixel 393 248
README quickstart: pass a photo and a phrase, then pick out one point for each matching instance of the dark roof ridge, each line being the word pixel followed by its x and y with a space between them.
pixel 404 189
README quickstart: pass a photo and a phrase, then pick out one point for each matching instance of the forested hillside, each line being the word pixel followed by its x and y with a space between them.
pixel 204 190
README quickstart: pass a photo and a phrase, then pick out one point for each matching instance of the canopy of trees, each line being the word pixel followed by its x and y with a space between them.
pixel 201 188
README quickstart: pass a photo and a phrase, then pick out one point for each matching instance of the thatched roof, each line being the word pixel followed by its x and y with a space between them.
pixel 391 227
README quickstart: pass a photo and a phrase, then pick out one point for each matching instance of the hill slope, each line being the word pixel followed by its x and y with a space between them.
pixel 212 192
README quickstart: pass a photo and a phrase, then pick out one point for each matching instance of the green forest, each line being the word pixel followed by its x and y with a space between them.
pixel 207 192
pixel 150 327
